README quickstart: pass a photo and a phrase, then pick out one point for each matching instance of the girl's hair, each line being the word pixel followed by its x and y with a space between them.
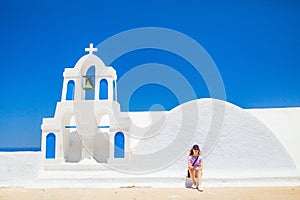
pixel 195 147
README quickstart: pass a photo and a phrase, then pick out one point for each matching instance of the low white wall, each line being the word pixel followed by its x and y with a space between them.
pixel 16 167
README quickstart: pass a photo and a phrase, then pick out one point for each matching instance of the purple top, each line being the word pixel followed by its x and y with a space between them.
pixel 197 163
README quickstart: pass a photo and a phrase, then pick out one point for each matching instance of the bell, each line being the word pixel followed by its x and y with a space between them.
pixel 88 84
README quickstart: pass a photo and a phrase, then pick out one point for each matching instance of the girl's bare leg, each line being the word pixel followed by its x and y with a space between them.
pixel 199 176
pixel 192 173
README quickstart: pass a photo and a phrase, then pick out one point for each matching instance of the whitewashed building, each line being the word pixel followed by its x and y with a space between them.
pixel 88 124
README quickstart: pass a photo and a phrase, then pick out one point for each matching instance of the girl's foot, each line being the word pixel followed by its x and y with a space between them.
pixel 200 188
pixel 194 186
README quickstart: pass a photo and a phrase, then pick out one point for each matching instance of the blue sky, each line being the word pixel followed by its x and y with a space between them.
pixel 255 45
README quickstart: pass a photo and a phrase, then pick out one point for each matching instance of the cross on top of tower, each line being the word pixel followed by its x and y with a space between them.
pixel 91 49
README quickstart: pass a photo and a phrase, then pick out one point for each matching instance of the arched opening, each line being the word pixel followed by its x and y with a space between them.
pixel 119 145
pixel 90 94
pixel 103 94
pixel 70 90
pixel 74 154
pixel 50 146
pixel 72 142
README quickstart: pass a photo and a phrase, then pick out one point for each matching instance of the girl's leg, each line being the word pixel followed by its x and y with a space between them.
pixel 192 173
pixel 199 176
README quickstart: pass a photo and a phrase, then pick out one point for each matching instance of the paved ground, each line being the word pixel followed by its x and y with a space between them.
pixel 137 193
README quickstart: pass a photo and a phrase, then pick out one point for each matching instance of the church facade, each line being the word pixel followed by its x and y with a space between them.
pixel 88 124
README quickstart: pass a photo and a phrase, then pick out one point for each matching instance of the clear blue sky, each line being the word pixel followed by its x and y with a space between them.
pixel 255 45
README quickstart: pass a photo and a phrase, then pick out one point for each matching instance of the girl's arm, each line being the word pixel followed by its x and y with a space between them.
pixel 190 165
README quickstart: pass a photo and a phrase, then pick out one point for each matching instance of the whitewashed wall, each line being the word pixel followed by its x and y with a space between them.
pixel 285 124
pixel 18 167
pixel 232 140
pixel 253 140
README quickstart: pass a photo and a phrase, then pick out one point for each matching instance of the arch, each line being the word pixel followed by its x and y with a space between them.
pixel 70 90
pixel 50 145
pixel 75 147
pixel 103 94
pixel 90 58
pixel 119 145
pixel 90 94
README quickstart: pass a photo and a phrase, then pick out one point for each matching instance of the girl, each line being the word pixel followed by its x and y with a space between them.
pixel 195 165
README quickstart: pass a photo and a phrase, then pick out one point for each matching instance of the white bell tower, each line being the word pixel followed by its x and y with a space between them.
pixel 88 124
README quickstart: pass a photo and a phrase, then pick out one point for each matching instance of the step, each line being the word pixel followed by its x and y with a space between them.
pixel 77 167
